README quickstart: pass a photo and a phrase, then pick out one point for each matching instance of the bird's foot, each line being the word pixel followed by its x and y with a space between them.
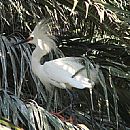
pixel 59 115
pixel 72 119
pixel 67 114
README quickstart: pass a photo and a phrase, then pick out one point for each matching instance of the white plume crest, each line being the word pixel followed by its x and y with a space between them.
pixel 42 26
pixel 41 33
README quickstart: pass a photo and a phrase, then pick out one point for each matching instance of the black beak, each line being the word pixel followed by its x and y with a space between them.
pixel 24 41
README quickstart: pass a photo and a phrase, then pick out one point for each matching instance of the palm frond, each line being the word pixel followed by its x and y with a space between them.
pixel 99 30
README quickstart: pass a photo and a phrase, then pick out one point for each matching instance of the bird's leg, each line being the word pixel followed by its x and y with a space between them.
pixel 51 94
pixel 55 112
pixel 72 118
pixel 71 98
pixel 50 98
pixel 70 94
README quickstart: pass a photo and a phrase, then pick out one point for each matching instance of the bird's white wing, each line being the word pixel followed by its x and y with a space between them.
pixel 75 63
pixel 69 59
pixel 62 70
pixel 78 60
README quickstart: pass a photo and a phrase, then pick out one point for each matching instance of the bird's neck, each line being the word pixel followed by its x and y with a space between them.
pixel 41 50
pixel 36 57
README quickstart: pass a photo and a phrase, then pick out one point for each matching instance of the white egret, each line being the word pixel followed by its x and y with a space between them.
pixel 64 73
pixel 60 72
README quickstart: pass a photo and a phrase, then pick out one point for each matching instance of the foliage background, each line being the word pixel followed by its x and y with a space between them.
pixel 99 30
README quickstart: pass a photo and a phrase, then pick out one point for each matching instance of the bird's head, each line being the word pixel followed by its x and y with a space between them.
pixel 41 38
pixel 40 32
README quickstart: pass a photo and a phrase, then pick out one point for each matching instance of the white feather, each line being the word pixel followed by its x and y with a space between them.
pixel 60 71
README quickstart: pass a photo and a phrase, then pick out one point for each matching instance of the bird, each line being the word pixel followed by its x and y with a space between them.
pixel 65 72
